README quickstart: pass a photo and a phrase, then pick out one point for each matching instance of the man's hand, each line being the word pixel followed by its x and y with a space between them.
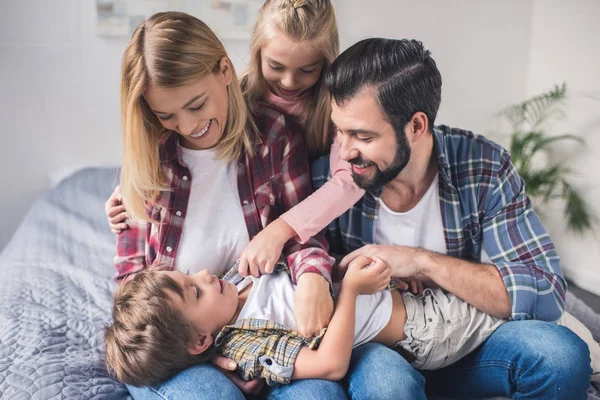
pixel 228 367
pixel 313 304
pixel 366 275
pixel 404 262
pixel 412 284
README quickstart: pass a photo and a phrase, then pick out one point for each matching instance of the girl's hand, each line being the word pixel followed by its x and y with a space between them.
pixel 228 367
pixel 264 249
pixel 115 212
pixel 367 275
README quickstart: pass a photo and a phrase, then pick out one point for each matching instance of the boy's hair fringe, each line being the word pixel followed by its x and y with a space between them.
pixel 148 339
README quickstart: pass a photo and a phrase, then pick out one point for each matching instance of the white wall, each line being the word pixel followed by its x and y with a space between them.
pixel 59 82
pixel 565 47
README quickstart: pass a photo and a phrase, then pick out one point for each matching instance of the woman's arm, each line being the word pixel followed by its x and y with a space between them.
pixel 331 360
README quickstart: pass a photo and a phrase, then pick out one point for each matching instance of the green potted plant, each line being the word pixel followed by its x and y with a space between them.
pixel 528 140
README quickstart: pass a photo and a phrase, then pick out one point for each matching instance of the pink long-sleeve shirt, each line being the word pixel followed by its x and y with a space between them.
pixel 329 202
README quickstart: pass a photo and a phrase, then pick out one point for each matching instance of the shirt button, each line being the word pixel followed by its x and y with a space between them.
pixel 185 178
pixel 370 216
pixel 169 249
pixel 268 362
pixel 246 202
pixel 428 319
pixel 178 213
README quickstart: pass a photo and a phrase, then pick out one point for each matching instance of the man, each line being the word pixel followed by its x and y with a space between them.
pixel 447 207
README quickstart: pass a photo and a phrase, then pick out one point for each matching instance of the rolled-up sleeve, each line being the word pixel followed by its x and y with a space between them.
pixel 521 249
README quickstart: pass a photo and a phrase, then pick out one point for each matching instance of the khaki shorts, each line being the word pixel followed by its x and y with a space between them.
pixel 441 329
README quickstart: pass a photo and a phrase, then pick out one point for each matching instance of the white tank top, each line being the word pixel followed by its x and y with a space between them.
pixel 214 230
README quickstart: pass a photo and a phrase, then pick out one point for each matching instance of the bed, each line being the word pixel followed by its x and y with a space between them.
pixel 56 295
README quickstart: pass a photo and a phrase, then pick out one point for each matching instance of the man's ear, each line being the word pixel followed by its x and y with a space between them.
pixel 225 70
pixel 418 126
pixel 201 343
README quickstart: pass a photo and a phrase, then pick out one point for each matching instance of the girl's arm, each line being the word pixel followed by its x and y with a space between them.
pixel 331 360
pixel 304 220
pixel 328 202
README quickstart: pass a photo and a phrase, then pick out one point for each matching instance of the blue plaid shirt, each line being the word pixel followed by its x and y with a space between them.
pixel 484 205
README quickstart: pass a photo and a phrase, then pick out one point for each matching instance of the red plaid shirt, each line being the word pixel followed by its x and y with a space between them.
pixel 271 182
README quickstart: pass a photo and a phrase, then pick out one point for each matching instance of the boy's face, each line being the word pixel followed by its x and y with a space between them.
pixel 208 303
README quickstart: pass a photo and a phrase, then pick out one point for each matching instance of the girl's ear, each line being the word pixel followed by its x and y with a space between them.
pixel 201 344
pixel 226 72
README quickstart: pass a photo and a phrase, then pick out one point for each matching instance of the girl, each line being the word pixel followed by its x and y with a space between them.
pixel 293 44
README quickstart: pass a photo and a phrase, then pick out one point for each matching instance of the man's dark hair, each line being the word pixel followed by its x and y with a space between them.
pixel 402 72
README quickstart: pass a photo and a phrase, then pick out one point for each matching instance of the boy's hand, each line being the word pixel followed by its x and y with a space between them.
pixel 367 275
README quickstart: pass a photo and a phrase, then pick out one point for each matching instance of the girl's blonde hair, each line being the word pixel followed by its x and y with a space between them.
pixel 169 50
pixel 304 21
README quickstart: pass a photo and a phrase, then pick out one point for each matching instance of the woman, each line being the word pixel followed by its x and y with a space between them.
pixel 201 176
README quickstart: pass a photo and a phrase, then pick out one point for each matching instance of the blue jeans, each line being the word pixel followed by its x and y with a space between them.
pixel 522 360
pixel 374 374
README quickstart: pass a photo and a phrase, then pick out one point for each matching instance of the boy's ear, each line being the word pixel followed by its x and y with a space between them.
pixel 201 344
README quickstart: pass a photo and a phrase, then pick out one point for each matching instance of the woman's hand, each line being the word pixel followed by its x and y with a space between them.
pixel 367 275
pixel 115 212
pixel 263 251
pixel 228 367
pixel 313 304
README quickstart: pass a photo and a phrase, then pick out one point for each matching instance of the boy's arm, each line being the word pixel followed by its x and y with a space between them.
pixel 332 359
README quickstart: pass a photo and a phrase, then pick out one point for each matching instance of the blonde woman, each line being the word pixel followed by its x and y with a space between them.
pixel 201 176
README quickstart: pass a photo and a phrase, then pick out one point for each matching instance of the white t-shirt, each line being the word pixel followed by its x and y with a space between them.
pixel 214 230
pixel 272 298
pixel 419 227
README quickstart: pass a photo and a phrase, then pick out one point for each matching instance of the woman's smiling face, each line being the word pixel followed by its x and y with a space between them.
pixel 196 111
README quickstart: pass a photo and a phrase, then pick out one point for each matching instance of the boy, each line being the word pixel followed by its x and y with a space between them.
pixel 165 321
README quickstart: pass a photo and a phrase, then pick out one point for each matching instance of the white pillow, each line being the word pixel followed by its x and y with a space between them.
pixel 584 333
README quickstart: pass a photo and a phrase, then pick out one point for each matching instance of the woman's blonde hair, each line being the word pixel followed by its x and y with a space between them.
pixel 169 50
pixel 304 21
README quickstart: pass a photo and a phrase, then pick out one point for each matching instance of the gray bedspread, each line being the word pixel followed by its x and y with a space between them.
pixel 56 296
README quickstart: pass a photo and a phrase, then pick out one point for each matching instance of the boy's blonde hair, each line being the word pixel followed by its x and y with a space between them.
pixel 169 50
pixel 304 21
pixel 148 340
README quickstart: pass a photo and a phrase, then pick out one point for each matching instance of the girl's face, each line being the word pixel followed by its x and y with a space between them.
pixel 197 111
pixel 290 67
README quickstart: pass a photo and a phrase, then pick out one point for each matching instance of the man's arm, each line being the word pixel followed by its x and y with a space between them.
pixel 478 284
pixel 519 246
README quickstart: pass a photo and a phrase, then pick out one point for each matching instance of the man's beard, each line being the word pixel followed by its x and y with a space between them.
pixel 379 177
